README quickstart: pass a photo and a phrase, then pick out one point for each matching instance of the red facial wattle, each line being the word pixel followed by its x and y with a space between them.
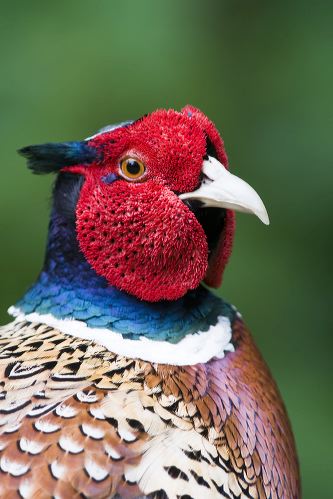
pixel 141 238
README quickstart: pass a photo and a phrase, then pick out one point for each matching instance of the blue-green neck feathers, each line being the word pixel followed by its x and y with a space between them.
pixel 69 288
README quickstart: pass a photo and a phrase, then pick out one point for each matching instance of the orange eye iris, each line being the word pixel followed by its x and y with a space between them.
pixel 132 168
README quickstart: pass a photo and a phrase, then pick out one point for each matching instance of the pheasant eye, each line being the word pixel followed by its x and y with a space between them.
pixel 132 168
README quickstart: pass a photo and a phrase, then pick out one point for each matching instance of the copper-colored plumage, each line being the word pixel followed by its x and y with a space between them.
pixel 79 421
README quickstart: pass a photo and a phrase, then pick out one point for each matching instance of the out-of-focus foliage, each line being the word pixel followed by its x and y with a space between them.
pixel 263 72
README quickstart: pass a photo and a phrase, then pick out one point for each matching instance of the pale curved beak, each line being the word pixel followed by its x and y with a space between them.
pixel 222 189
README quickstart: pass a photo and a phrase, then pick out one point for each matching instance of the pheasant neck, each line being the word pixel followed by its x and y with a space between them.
pixel 68 288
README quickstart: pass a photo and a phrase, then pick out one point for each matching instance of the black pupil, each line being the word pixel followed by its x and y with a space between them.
pixel 133 167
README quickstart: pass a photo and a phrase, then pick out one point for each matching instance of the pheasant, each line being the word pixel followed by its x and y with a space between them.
pixel 121 374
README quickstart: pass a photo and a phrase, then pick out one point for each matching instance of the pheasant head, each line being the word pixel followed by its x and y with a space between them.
pixel 154 201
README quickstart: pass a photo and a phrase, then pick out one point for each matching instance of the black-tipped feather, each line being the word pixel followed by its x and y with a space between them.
pixel 51 157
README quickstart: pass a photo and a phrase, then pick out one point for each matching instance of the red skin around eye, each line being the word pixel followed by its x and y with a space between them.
pixel 171 145
pixel 141 238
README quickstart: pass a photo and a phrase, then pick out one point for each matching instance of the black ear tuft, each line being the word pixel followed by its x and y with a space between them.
pixel 51 157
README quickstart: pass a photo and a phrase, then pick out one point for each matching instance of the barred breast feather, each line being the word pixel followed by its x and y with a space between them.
pixel 79 421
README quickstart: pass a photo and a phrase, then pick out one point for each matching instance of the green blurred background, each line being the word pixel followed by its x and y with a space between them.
pixel 263 72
